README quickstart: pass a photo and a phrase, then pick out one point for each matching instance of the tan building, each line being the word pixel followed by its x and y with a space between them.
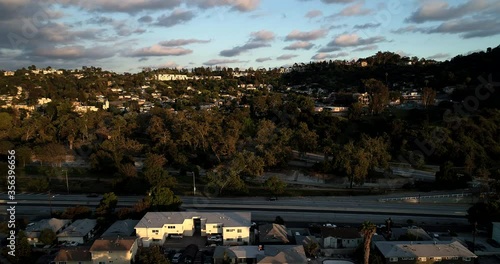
pixel 120 250
pixel 155 227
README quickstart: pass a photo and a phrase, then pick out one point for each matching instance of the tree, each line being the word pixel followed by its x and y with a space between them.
pixel 163 199
pixel 151 255
pixel 47 236
pixel 368 229
pixel 354 161
pixel 379 95
pixel 23 250
pixel 311 248
pixel 428 96
pixel 127 170
pixel 24 154
pixel 107 205
pixel 275 185
pixel 76 212
pixel 154 172
pixel 306 140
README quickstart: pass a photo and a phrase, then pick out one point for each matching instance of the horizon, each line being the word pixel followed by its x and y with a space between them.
pixel 127 36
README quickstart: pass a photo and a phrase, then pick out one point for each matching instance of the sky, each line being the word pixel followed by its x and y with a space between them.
pixel 128 35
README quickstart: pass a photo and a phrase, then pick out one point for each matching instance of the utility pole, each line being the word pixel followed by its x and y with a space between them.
pixel 67 183
pixel 194 184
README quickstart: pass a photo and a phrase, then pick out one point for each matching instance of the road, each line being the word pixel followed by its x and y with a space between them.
pixel 297 208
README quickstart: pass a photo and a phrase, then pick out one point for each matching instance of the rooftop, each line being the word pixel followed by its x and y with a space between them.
pixel 121 228
pixel 273 233
pixel 73 254
pixel 113 244
pixel 159 219
pixel 79 228
pixel 53 224
pixel 270 253
pixel 423 249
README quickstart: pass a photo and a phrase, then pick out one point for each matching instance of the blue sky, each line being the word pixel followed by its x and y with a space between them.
pixel 127 35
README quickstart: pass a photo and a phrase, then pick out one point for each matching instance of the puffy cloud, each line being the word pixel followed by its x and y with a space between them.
pixel 329 49
pixel 357 9
pixel 238 5
pixel 369 47
pixel 213 62
pixel 177 16
pixel 314 13
pixel 74 52
pixel 262 35
pixel 300 45
pixel 441 11
pixel 469 28
pixel 181 42
pixel 158 50
pixel 145 19
pixel 263 59
pixel 286 56
pixel 409 29
pixel 323 56
pixel 306 36
pixel 353 40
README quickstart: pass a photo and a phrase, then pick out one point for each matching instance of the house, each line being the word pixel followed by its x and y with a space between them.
pixel 157 226
pixel 33 230
pixel 407 234
pixel 395 252
pixel 273 234
pixel 73 256
pixel 120 250
pixel 121 228
pixel 342 237
pixel 170 77
pixel 79 231
pixel 274 254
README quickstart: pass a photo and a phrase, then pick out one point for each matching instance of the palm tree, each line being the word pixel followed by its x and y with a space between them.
pixel 367 229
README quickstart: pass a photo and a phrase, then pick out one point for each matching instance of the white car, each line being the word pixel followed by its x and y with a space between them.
pixel 215 238
pixel 71 244
pixel 329 225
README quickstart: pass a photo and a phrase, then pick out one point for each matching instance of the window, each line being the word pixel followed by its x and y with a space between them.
pixel 422 259
pixel 239 230
pixel 229 230
pixel 155 231
pixel 393 259
pixel 466 259
pixel 438 258
pixel 171 227
pixel 240 239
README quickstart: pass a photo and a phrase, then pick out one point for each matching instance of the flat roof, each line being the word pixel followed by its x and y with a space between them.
pixel 79 228
pixel 423 249
pixel 159 219
pixel 53 224
pixel 121 228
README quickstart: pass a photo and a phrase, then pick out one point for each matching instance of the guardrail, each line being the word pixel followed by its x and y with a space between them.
pixel 420 197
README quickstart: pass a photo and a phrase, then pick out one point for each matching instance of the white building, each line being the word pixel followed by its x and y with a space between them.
pixel 157 226
pixel 79 231
pixel 120 250
pixel 170 77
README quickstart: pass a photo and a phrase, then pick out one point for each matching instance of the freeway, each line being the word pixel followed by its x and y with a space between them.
pixel 31 205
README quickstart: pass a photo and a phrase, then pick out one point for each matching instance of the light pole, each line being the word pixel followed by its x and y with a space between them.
pixel 194 184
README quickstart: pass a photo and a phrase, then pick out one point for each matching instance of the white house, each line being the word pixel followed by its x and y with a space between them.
pixel 120 250
pixel 333 237
pixel 170 77
pixel 79 231
pixel 157 226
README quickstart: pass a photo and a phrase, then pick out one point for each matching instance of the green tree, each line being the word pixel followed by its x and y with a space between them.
pixel 275 185
pixel 163 199
pixel 107 205
pixel 23 250
pixel 76 212
pixel 312 248
pixel 24 154
pixel 354 161
pixel 428 96
pixel 379 95
pixel 154 171
pixel 47 236
pixel 368 229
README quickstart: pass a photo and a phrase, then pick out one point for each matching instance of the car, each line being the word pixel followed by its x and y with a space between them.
pixel 176 258
pixel 329 225
pixel 71 244
pixel 214 238
pixel 274 198
pixel 175 236
pixel 93 195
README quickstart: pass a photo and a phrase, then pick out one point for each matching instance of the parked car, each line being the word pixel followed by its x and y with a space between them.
pixel 71 244
pixel 176 258
pixel 214 238
pixel 175 236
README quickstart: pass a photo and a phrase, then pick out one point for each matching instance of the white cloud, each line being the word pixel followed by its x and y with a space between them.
pixel 158 50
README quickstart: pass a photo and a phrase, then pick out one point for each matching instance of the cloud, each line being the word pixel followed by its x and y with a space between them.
pixel 369 47
pixel 158 50
pixel 124 6
pixel 74 52
pixel 367 25
pixel 263 59
pixel 286 56
pixel 337 1
pixel 306 36
pixel 237 5
pixel 314 13
pixel 99 20
pixel 213 62
pixel 240 49
pixel 145 19
pixel 329 49
pixel 300 45
pixel 357 9
pixel 258 39
pixel 353 40
pixel 410 29
pixel 469 28
pixel 441 11
pixel 168 64
pixel 323 56
pixel 439 56
pixel 262 35
pixel 181 42
pixel 176 17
